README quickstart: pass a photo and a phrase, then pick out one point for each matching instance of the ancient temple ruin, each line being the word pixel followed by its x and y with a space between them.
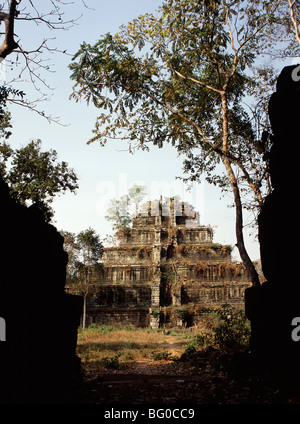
pixel 165 271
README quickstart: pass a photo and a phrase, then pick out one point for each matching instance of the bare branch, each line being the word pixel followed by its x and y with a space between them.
pixel 294 21
pixel 34 108
pixel 9 43
pixel 33 62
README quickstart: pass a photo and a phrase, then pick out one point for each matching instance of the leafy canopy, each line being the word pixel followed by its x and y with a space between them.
pixel 182 76
pixel 35 175
pixel 163 78
pixel 84 252
pixel 90 246
pixel 5 116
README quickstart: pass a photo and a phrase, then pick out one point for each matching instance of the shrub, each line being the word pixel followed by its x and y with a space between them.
pixel 111 362
pixel 227 329
pixel 232 332
pixel 164 355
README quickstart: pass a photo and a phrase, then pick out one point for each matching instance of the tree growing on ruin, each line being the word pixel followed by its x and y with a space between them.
pixel 182 77
pixel 118 213
pixel 136 194
pixel 119 210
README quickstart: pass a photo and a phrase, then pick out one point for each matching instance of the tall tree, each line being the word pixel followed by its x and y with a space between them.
pixel 181 76
pixel 90 248
pixel 35 175
pixel 72 249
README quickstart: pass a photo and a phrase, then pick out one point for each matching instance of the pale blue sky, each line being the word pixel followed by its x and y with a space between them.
pixel 106 172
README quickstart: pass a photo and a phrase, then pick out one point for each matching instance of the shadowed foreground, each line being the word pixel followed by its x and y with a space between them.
pixel 38 362
pixel 181 384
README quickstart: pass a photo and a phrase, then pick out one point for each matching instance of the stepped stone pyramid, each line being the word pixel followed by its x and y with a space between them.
pixel 165 271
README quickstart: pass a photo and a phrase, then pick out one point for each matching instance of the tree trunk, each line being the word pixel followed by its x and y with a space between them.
pixel 239 227
pixel 85 296
pixel 9 43
pixel 237 199
pixel 84 311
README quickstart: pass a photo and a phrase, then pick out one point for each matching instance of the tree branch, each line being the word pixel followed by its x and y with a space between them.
pixel 9 43
pixel 293 19
pixel 31 61
pixel 198 82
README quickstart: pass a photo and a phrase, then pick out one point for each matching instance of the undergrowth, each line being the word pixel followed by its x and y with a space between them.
pixel 224 330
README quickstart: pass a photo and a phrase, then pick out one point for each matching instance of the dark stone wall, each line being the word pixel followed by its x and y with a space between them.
pixel 135 316
pixel 38 362
pixel 214 294
pixel 122 295
pixel 272 307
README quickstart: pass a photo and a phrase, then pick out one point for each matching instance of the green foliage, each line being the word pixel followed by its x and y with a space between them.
pixel 136 194
pixel 5 116
pixel 119 210
pixel 36 176
pixel 32 175
pixel 227 329
pixel 102 329
pixel 168 273
pixel 84 253
pixel 169 280
pixel 165 78
pixel 84 250
pixel 90 246
pixel 155 313
pixel 71 247
pixel 118 213
pixel 186 76
pixel 190 351
pixel 182 313
pixel 233 329
pixel 112 363
pixel 5 153
pixel 183 77
pixel 162 356
pixel 94 329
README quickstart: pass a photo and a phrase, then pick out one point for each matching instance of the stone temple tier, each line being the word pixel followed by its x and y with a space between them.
pixel 165 271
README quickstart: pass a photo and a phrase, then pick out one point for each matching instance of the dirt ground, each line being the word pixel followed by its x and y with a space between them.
pixel 169 383
pixel 210 377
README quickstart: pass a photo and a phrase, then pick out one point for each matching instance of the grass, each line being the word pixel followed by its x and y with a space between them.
pixel 117 347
